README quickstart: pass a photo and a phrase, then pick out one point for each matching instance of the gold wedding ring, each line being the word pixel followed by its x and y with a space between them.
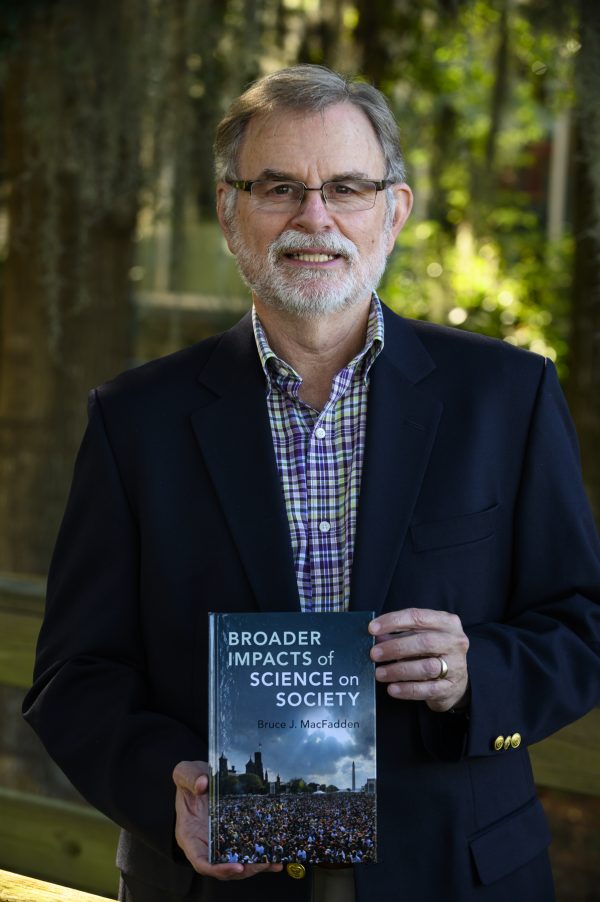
pixel 443 668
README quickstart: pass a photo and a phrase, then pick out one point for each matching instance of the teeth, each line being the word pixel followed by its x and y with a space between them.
pixel 314 258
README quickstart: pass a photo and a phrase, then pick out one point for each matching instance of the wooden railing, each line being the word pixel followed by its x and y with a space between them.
pixel 16 888
pixel 73 843
pixel 58 841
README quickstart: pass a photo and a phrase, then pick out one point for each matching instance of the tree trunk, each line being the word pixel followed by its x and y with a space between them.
pixel 584 377
pixel 71 121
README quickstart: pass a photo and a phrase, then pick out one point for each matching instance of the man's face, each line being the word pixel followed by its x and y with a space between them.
pixel 276 251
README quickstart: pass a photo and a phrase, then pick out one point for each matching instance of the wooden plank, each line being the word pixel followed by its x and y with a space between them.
pixel 22 592
pixel 21 611
pixel 58 841
pixel 197 303
pixel 571 758
pixel 568 760
pixel 19 634
pixel 18 888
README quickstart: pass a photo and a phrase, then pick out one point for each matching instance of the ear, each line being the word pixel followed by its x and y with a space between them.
pixel 222 191
pixel 403 197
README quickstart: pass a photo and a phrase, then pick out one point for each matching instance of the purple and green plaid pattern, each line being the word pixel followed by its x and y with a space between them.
pixel 319 457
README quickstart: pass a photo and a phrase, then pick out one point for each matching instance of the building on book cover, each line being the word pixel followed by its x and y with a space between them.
pixel 292 738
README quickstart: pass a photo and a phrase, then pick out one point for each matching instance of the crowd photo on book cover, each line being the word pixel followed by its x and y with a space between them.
pixel 293 771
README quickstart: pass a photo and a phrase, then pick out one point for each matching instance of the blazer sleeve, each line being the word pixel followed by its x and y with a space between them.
pixel 90 702
pixel 538 669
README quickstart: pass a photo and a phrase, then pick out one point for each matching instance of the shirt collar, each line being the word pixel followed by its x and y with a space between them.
pixel 285 376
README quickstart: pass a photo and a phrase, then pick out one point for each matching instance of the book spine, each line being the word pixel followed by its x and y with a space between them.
pixel 213 717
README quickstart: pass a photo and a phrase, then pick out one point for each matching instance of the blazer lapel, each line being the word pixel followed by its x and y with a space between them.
pixel 401 427
pixel 234 435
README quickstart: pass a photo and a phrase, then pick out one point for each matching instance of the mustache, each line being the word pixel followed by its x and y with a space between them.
pixel 291 242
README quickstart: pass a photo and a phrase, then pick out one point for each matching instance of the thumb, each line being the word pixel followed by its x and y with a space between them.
pixel 191 776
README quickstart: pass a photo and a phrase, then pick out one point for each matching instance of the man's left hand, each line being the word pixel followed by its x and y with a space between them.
pixel 411 648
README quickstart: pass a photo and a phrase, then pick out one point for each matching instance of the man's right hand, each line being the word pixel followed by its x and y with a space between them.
pixel 191 825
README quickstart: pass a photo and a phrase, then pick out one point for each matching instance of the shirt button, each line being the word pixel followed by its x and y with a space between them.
pixel 320 432
pixel 324 526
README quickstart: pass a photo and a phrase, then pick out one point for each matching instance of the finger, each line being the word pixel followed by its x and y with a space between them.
pixel 440 695
pixel 419 670
pixel 415 619
pixel 413 645
pixel 263 869
pixel 234 870
pixel 429 690
pixel 201 785
pixel 187 775
pixel 230 870
pixel 427 644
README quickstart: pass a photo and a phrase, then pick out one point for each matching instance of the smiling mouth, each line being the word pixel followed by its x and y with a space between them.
pixel 306 257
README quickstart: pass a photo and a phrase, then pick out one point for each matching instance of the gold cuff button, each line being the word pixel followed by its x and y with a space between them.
pixel 295 870
pixel 515 740
pixel 507 742
pixel 499 743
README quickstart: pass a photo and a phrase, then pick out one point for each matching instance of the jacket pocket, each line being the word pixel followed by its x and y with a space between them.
pixel 454 531
pixel 510 843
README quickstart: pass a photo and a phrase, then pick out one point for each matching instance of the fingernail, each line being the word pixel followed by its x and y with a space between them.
pixel 374 627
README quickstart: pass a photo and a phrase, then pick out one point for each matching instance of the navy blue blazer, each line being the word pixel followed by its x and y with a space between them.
pixel 471 502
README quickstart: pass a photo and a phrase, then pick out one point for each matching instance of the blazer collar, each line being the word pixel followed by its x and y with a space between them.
pixel 234 435
pixel 402 422
pixel 233 431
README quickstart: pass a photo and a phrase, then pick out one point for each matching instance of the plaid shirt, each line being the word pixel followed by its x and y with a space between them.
pixel 319 457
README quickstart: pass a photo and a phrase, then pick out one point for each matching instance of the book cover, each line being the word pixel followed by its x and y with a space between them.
pixel 292 738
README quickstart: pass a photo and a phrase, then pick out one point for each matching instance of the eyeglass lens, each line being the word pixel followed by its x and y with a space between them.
pixel 352 194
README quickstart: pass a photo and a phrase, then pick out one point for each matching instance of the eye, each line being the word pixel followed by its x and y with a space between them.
pixel 344 189
pixel 281 189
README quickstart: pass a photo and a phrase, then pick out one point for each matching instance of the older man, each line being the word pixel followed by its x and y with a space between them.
pixel 326 455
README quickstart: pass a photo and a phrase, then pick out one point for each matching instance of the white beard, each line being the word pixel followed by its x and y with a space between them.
pixel 305 291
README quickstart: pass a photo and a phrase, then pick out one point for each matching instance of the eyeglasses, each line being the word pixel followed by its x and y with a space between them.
pixel 340 196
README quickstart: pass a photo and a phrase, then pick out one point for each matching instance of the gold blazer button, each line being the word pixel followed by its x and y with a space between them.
pixel 507 742
pixel 515 740
pixel 295 870
pixel 499 743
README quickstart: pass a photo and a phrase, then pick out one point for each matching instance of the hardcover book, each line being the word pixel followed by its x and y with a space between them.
pixel 292 738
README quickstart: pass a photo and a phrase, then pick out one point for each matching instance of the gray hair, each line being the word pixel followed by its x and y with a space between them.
pixel 305 89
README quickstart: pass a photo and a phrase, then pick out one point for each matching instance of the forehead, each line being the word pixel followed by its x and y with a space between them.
pixel 339 139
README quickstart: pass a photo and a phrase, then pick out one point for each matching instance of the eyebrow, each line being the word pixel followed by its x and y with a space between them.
pixel 279 175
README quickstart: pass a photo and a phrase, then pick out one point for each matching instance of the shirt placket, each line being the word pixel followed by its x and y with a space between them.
pixel 319 465
pixel 322 522
pixel 325 468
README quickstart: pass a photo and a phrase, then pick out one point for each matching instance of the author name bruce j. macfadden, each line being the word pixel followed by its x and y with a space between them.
pixel 308 724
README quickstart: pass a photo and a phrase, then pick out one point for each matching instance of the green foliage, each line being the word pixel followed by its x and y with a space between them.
pixel 473 284
pixel 297 785
pixel 251 784
pixel 477 105
pixel 477 87
pixel 228 784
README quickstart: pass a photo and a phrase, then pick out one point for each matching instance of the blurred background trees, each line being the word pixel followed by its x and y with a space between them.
pixel 109 244
pixel 109 249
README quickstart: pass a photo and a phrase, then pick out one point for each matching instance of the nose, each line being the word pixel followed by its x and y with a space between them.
pixel 313 214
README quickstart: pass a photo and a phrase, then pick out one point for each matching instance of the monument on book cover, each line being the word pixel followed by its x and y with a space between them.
pixel 292 738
